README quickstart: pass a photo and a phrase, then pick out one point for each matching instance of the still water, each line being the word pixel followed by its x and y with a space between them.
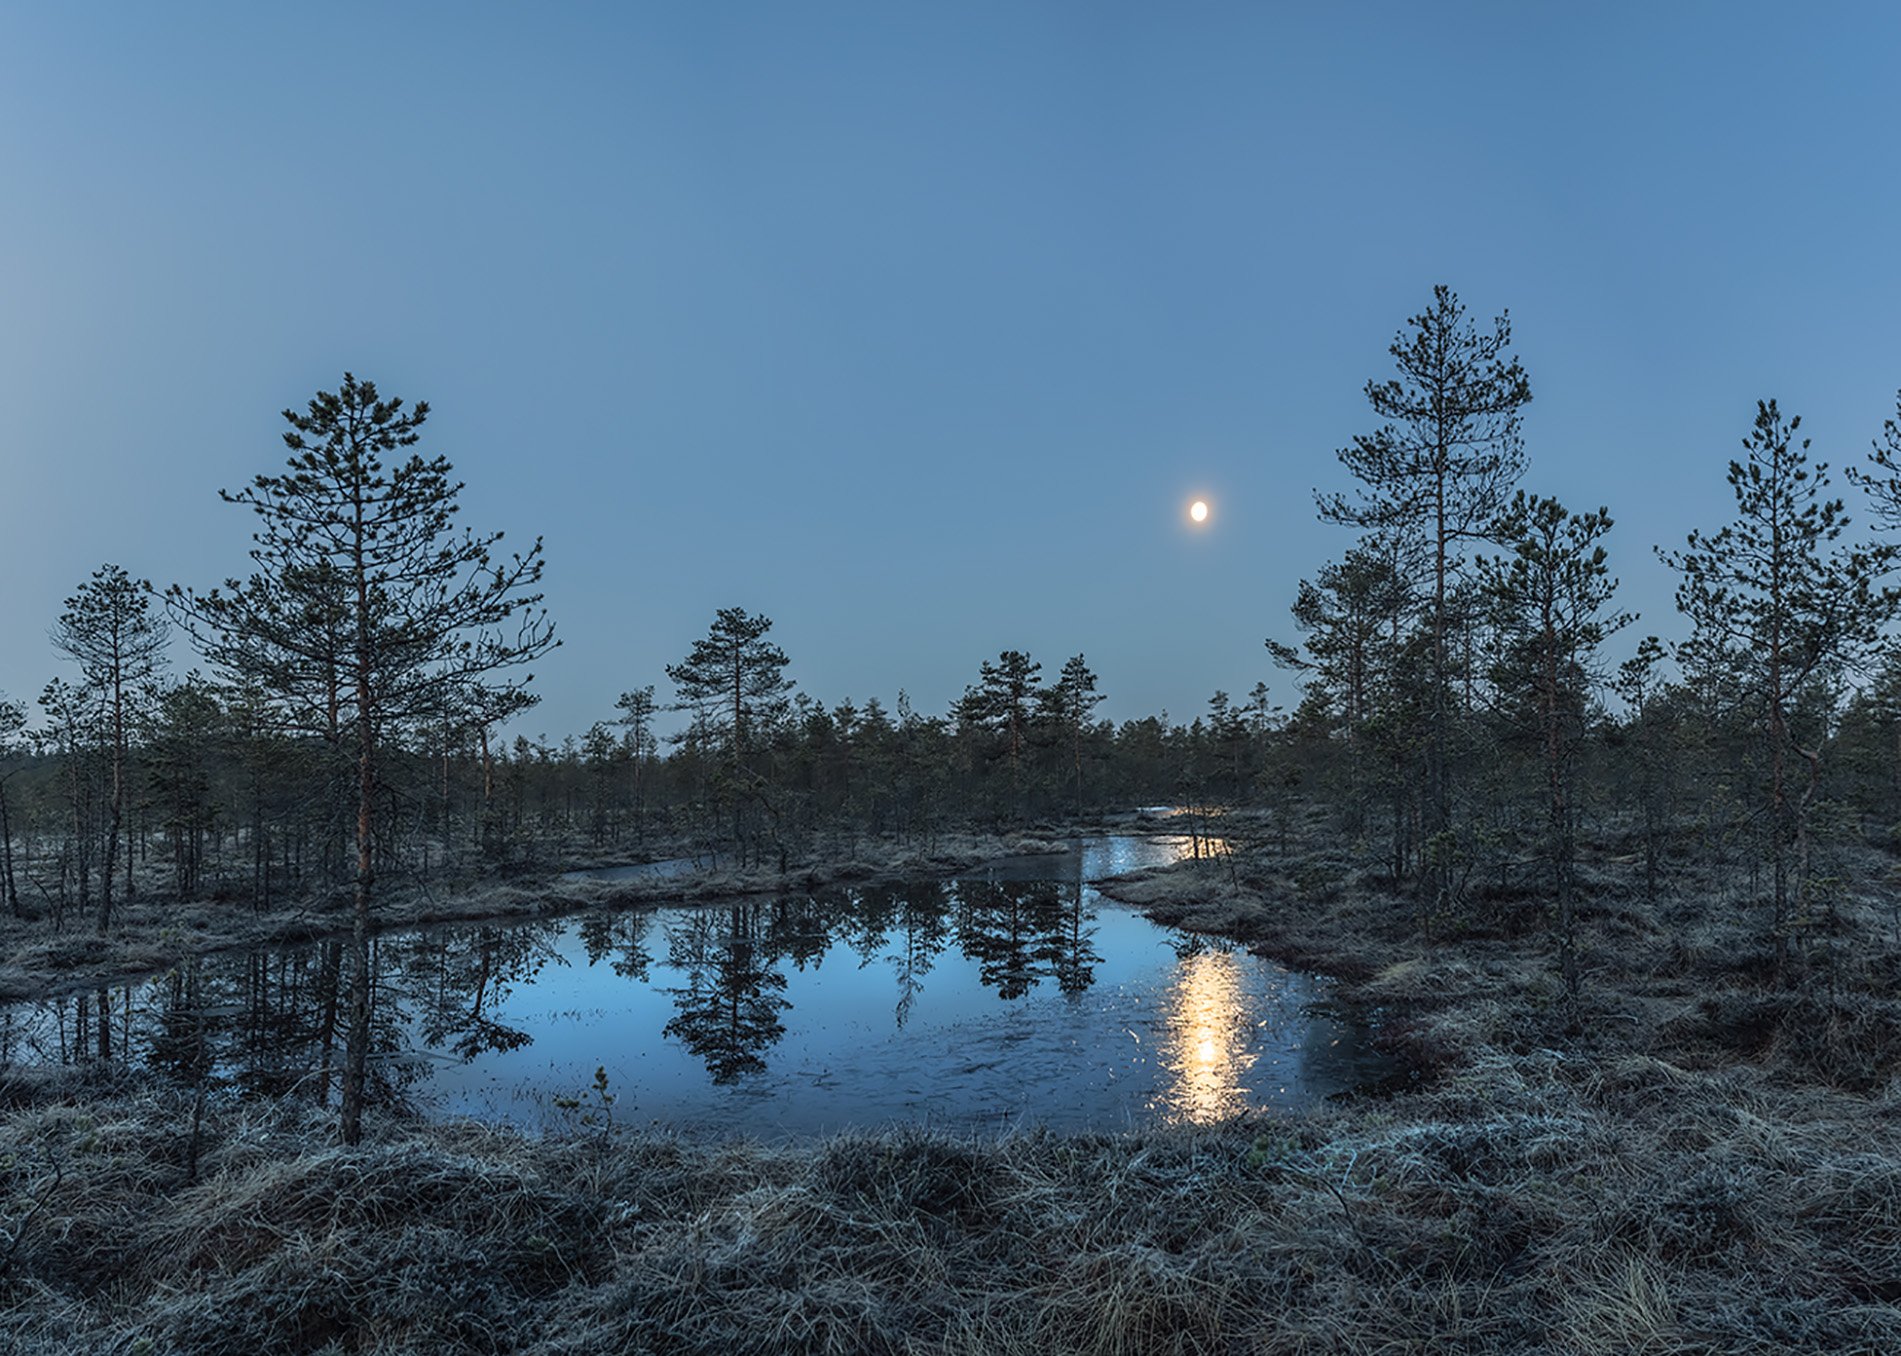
pixel 1015 995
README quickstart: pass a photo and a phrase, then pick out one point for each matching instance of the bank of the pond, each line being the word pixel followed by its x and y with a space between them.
pixel 1522 1205
pixel 1692 1160
pixel 1009 995
pixel 151 934
pixel 1689 978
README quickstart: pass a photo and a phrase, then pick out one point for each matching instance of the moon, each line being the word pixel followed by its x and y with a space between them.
pixel 1199 510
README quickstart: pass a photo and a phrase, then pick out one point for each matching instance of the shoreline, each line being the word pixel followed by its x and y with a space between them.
pixel 1689 1161
pixel 150 936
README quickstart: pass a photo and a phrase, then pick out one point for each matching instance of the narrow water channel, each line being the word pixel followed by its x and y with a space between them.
pixel 1014 995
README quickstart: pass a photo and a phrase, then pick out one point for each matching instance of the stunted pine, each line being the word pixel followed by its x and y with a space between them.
pixel 111 631
pixel 1551 597
pixel 1648 726
pixel 1776 597
pixel 1434 477
pixel 637 709
pixel 12 726
pixel 369 609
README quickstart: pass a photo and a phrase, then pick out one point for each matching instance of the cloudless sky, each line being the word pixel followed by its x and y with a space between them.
pixel 917 327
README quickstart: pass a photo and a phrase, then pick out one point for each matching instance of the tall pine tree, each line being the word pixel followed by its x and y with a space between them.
pixel 1435 476
pixel 1776 595
pixel 364 586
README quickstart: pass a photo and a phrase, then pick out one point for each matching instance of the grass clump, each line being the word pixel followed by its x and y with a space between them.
pixel 1689 1158
pixel 1539 1204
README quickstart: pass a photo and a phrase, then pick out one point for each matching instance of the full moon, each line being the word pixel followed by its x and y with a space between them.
pixel 1199 510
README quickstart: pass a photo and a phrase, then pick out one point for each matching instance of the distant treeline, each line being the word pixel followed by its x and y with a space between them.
pixel 223 800
pixel 1464 712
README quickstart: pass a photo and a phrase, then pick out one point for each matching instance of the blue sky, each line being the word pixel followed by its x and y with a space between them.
pixel 916 327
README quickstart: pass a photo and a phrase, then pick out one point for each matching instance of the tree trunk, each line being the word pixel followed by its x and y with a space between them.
pixel 357 1048
pixel 116 812
pixel 1436 891
pixel 1079 771
pixel 1778 813
pixel 1803 844
pixel 6 854
pixel 1560 826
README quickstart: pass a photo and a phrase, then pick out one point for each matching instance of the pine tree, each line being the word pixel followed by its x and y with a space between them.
pixel 1640 685
pixel 1774 594
pixel 1071 703
pixel 637 710
pixel 188 722
pixel 734 681
pixel 738 677
pixel 1359 671
pixel 366 596
pixel 1003 701
pixel 1551 596
pixel 73 734
pixel 12 726
pixel 1880 480
pixel 1435 476
pixel 111 632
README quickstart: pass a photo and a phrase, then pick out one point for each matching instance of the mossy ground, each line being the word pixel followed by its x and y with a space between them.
pixel 1697 1156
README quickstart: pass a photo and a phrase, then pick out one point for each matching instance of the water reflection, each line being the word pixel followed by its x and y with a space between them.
pixel 256 1025
pixel 729 1007
pixel 620 939
pixel 455 980
pixel 971 1002
pixel 1207 1048
pixel 920 917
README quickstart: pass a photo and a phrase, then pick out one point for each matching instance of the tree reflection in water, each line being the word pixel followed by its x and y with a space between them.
pixel 455 976
pixel 252 1025
pixel 730 1004
pixel 921 916
pixel 1073 956
pixel 268 1024
pixel 619 939
pixel 1022 932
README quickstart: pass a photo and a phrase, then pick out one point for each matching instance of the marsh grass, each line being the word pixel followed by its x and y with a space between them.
pixel 1693 1158
pixel 1535 1203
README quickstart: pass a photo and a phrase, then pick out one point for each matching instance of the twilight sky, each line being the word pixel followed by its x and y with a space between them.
pixel 917 327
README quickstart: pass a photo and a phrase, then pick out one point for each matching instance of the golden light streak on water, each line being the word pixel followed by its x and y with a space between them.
pixel 1205 1048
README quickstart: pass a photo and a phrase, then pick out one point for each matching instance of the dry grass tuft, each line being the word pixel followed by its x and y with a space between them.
pixel 1690 1159
pixel 1534 1204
